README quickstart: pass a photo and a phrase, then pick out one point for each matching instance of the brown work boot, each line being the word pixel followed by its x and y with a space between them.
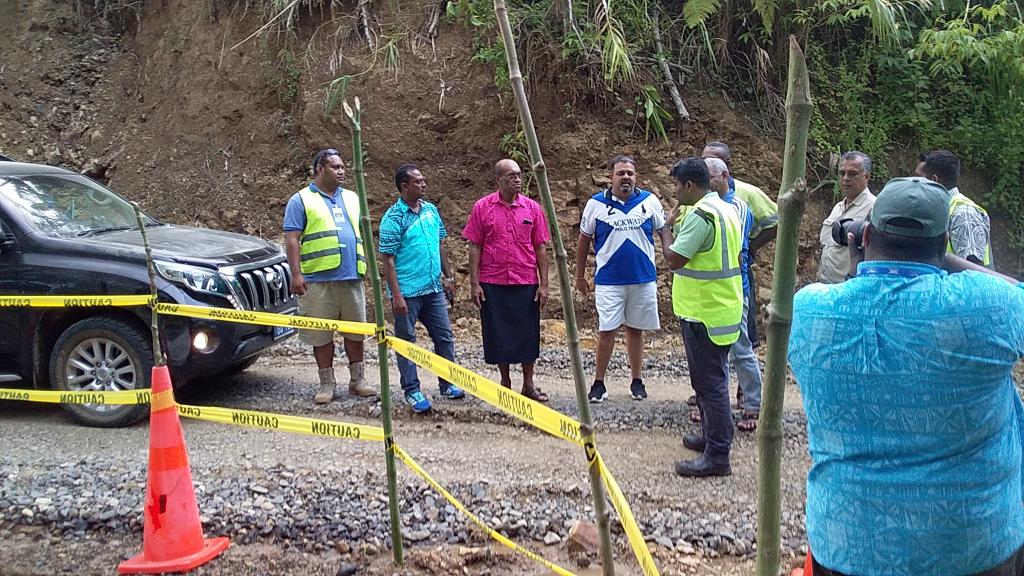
pixel 327 384
pixel 357 385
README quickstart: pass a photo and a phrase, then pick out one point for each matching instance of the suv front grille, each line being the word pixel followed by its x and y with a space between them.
pixel 265 288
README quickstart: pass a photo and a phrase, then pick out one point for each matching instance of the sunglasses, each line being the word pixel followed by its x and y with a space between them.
pixel 323 154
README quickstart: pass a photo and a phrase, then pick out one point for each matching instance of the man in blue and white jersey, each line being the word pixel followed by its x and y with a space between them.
pixel 621 222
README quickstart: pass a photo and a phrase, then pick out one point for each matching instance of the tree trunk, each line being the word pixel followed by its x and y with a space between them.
pixel 354 121
pixel 364 23
pixel 663 62
pixel 792 200
pixel 565 283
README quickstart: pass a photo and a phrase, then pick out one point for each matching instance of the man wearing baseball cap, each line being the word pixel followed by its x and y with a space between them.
pixel 914 424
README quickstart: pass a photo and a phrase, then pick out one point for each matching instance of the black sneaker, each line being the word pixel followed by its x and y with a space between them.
pixel 637 389
pixel 598 393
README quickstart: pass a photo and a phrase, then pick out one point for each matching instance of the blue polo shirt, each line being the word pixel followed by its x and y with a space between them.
pixel 748 227
pixel 414 239
pixel 295 221
pixel 914 423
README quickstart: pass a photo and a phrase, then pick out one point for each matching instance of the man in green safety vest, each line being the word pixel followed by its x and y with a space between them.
pixel 970 230
pixel 707 296
pixel 327 261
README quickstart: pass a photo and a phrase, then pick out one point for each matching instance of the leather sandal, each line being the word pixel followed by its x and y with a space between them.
pixel 536 394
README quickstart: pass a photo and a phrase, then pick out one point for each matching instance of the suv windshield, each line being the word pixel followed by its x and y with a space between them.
pixel 67 206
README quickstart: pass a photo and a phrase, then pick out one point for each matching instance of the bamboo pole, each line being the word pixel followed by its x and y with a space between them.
pixel 354 121
pixel 154 322
pixel 792 200
pixel 565 283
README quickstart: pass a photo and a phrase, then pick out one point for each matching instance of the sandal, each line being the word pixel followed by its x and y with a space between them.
pixel 692 400
pixel 748 421
pixel 695 415
pixel 536 394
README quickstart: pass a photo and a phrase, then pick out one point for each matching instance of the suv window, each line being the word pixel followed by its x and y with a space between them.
pixel 67 206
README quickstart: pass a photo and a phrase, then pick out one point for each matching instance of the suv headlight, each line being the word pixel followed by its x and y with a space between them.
pixel 195 278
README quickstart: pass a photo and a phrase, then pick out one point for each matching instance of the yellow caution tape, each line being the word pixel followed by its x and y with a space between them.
pixel 530 411
pixel 283 423
pixel 248 418
pixel 265 318
pixel 73 301
pixel 636 538
pixel 140 396
pixel 412 465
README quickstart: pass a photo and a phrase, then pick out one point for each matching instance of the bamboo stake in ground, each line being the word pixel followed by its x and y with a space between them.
pixel 154 325
pixel 354 119
pixel 565 283
pixel 792 199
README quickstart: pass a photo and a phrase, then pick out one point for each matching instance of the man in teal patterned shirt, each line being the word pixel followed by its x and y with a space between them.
pixel 419 278
pixel 913 419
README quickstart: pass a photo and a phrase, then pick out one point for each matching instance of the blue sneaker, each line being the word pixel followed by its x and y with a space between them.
pixel 453 392
pixel 417 401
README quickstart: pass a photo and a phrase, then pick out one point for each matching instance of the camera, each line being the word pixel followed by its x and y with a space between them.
pixel 841 228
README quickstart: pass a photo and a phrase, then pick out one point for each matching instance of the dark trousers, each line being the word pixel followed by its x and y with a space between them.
pixel 432 311
pixel 709 376
pixel 1014 566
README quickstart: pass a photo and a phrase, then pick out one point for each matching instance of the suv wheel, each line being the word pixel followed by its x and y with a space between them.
pixel 102 354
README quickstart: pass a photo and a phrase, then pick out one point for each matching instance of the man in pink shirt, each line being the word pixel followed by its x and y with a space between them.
pixel 508 268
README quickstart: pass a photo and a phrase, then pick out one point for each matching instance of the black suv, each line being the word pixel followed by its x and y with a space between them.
pixel 63 234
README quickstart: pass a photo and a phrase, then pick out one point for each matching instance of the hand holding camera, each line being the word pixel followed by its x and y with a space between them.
pixel 850 232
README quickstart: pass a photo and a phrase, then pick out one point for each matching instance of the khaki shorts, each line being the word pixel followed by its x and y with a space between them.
pixel 333 300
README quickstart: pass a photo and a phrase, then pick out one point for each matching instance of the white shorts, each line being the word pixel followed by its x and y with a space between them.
pixel 635 305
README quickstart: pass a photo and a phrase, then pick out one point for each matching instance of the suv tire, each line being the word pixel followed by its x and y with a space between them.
pixel 102 354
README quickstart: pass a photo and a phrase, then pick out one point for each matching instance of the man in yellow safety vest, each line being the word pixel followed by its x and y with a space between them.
pixel 707 296
pixel 970 231
pixel 327 261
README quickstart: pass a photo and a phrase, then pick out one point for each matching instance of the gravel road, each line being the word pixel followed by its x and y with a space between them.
pixel 71 497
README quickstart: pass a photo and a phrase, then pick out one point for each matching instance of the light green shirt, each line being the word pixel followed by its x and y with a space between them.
pixel 695 234
pixel 764 209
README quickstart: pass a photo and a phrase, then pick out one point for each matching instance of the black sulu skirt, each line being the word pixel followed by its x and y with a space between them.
pixel 510 322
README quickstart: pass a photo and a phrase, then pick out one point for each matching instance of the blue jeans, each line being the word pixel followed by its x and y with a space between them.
pixel 744 362
pixel 432 311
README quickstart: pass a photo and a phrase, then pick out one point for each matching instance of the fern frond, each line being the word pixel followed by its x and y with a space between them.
pixel 766 9
pixel 696 12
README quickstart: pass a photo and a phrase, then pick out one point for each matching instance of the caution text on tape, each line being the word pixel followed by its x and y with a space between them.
pixel 265 318
pixel 414 467
pixel 283 423
pixel 72 301
pixel 123 397
pixel 530 411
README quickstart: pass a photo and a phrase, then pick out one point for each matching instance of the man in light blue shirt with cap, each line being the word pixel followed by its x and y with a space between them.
pixel 913 419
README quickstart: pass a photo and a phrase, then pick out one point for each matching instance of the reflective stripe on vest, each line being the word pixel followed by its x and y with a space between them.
pixel 709 288
pixel 320 249
pixel 958 200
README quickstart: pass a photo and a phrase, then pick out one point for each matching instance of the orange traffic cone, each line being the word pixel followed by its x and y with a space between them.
pixel 172 537
pixel 807 570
